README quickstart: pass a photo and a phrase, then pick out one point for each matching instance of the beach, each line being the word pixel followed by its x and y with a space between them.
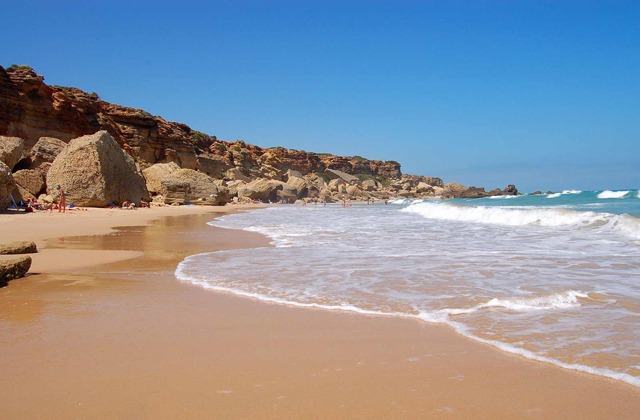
pixel 103 329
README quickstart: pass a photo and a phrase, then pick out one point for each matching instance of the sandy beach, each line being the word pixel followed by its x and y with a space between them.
pixel 103 329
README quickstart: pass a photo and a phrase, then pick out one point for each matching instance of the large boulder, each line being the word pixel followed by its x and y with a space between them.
pixel 7 186
pixel 288 193
pixel 369 185
pixel 14 269
pixel 94 171
pixel 234 174
pixel 510 190
pixel 187 186
pixel 19 247
pixel 261 189
pixel 29 181
pixel 45 151
pixel 11 149
pixel 335 174
pixel 453 190
pixel 154 174
pixel 424 188
pixel 298 185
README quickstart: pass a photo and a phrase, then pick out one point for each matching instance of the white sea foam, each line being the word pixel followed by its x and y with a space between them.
pixel 612 194
pixel 486 280
pixel 504 197
pixel 464 330
pixel 564 300
pixel 571 192
pixel 554 195
pixel 507 216
pixel 440 317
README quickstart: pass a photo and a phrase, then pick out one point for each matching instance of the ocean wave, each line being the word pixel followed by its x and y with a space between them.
pixel 571 192
pixel 505 197
pixel 548 217
pixel 509 348
pixel 613 194
pixel 440 317
pixel 554 195
pixel 564 300
pixel 507 216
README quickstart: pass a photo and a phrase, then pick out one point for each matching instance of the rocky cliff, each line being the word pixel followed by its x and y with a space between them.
pixel 31 109
pixel 33 115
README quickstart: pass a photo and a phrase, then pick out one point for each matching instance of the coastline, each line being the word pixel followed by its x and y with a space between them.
pixel 119 336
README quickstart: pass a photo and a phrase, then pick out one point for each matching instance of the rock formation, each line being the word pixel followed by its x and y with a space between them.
pixel 40 120
pixel 11 149
pixel 187 186
pixel 94 171
pixel 18 247
pixel 14 269
pixel 7 186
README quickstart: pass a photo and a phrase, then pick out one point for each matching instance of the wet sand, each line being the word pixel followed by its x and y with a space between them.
pixel 127 340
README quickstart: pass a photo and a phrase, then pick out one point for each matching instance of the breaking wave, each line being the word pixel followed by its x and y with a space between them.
pixel 613 194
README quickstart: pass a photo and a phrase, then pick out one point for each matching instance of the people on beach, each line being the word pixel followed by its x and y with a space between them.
pixel 62 202
pixel 143 203
pixel 128 205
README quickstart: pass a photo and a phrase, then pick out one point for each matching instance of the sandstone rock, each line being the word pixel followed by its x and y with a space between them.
pixel 11 149
pixel 369 185
pixel 335 184
pixel 45 198
pixel 353 191
pixel 18 247
pixel 212 165
pixel 453 190
pixel 475 192
pixel 234 186
pixel 30 180
pixel 288 193
pixel 155 173
pixel 510 190
pixel 261 189
pixel 334 173
pixel 7 186
pixel 14 269
pixel 234 174
pixel 424 188
pixel 94 171
pixel 45 151
pixel 299 185
pixel 189 186
pixel 291 174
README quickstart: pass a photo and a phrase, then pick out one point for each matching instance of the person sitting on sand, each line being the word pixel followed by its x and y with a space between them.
pixel 143 204
pixel 128 205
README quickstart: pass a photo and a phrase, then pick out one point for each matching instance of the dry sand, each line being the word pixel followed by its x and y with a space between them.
pixel 127 340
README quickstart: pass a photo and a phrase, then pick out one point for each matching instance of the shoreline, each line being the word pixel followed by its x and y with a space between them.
pixel 246 357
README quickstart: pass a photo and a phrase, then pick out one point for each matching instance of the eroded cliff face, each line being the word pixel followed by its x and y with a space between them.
pixel 31 109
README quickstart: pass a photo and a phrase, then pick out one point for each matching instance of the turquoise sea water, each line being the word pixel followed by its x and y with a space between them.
pixel 551 277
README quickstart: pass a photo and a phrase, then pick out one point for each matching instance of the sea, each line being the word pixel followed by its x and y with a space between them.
pixel 553 277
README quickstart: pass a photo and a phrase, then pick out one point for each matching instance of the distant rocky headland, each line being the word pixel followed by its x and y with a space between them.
pixel 102 154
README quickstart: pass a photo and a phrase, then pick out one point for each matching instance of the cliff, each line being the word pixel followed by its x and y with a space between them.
pixel 31 109
pixel 39 121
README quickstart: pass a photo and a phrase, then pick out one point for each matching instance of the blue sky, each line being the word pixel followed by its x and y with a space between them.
pixel 542 94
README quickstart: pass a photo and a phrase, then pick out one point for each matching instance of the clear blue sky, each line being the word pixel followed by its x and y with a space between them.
pixel 543 94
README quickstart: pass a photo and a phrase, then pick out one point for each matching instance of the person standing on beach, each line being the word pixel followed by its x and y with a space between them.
pixel 62 202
